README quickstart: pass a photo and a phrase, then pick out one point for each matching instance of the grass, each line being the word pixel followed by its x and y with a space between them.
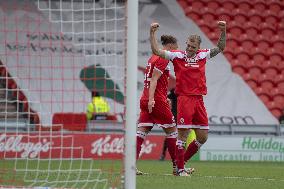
pixel 106 174
pixel 214 175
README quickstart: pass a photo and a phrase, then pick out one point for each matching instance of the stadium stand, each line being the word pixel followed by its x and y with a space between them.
pixel 14 108
pixel 255 41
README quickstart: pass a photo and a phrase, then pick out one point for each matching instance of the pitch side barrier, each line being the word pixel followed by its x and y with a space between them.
pixel 216 129
pixel 112 126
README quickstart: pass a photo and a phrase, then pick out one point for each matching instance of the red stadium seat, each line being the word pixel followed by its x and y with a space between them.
pixel 275 91
pixel 252 32
pixel 235 62
pixel 240 18
pixel 271 105
pixel 244 6
pixel 247 25
pixel 229 55
pixel 275 58
pixel 248 44
pixel 237 11
pixel 276 112
pixel 240 49
pixel 252 83
pixel 263 44
pixel 255 72
pixel 205 28
pixel 232 44
pixel 71 121
pixel 268 12
pixel 271 72
pixel 279 99
pixel 225 16
pixel 278 78
pixel 260 90
pixel 182 3
pixel 266 25
pixel 241 70
pixel 278 46
pixel 193 15
pixel 198 5
pixel 248 76
pixel 213 5
pixel 236 31
pixel 259 57
pixel 277 37
pixel 280 87
pixel 229 5
pixel 209 17
pixel 243 57
pixel 251 63
pixel 266 64
pixel 280 25
pixel 255 19
pixel 259 6
pixel 267 33
pixel 267 84
pixel 271 20
pixel 264 98
pixel 275 7
pixel 282 70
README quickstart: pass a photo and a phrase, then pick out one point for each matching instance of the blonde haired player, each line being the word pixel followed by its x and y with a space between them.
pixel 189 67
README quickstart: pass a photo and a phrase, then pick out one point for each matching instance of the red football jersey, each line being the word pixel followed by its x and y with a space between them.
pixel 161 65
pixel 190 72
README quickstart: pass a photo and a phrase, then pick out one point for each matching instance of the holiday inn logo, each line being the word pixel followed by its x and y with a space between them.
pixel 263 144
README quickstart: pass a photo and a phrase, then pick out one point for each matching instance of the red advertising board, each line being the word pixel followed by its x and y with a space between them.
pixel 58 145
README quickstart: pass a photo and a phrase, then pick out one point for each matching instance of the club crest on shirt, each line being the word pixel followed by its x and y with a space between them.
pixel 173 119
pixel 181 120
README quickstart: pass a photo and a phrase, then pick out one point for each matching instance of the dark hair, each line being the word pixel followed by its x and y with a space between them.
pixel 166 39
pixel 95 93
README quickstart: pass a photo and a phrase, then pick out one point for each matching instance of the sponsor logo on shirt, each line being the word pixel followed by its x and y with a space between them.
pixel 192 62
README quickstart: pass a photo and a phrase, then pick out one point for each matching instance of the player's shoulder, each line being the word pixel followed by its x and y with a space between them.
pixel 178 53
pixel 153 58
pixel 203 53
pixel 203 50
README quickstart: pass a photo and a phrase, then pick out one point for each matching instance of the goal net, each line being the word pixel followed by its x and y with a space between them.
pixel 62 93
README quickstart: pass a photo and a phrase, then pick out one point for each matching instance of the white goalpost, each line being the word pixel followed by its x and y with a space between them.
pixel 56 57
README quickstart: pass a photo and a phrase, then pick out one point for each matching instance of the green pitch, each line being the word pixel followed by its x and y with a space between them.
pixel 106 174
pixel 214 175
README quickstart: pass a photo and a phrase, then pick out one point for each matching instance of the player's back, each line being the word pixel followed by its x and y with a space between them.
pixel 161 65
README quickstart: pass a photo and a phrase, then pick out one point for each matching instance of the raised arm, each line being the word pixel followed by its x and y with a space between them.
pixel 154 44
pixel 222 40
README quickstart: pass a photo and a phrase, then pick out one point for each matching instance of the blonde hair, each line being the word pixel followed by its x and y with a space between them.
pixel 194 38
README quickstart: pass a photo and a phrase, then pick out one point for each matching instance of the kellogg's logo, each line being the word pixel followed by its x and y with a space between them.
pixel 25 149
pixel 107 145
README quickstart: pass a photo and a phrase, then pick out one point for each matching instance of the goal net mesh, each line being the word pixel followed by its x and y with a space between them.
pixel 56 58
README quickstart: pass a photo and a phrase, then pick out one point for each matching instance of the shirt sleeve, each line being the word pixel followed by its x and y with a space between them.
pixel 172 55
pixel 161 65
pixel 205 53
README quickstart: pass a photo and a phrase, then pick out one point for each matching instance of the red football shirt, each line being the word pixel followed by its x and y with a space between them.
pixel 190 72
pixel 161 65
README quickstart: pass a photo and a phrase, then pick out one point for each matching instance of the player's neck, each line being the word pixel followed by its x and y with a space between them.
pixel 191 55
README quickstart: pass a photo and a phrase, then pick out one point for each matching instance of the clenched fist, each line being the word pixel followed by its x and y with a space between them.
pixel 222 25
pixel 154 27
